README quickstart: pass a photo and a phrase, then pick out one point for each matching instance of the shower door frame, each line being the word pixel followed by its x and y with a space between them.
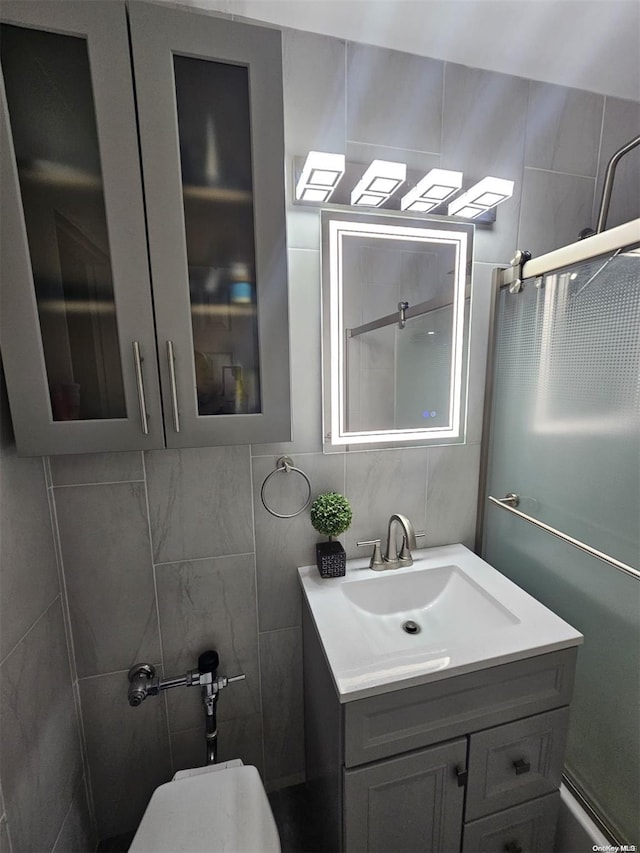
pixel 603 243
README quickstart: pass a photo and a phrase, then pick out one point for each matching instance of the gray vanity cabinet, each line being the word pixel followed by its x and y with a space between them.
pixel 144 278
pixel 467 763
pixel 410 803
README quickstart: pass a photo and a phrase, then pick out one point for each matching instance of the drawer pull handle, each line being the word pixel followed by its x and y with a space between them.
pixel 512 847
pixel 462 775
pixel 521 766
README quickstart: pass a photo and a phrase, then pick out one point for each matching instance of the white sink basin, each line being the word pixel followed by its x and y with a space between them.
pixel 449 613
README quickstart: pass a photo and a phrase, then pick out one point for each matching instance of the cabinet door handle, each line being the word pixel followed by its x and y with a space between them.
pixel 137 360
pixel 171 360
pixel 463 775
pixel 521 766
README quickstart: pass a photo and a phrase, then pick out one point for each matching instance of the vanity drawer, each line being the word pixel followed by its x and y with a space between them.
pixel 403 720
pixel 529 828
pixel 516 762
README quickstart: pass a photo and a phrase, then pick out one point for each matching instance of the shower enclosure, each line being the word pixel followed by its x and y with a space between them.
pixel 561 509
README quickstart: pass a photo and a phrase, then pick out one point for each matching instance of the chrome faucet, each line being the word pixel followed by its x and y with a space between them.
pixel 393 560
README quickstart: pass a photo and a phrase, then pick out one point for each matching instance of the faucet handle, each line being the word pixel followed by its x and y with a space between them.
pixel 376 561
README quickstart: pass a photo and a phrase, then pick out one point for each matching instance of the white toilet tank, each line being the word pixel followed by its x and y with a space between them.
pixel 212 810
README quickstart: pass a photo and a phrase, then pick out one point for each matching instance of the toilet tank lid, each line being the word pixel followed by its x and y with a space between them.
pixel 209 813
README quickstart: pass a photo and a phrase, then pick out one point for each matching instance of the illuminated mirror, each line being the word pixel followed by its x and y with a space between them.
pixel 396 312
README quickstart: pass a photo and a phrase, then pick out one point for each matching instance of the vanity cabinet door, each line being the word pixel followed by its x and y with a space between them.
pixel 77 334
pixel 516 762
pixel 209 95
pixel 409 804
pixel 528 828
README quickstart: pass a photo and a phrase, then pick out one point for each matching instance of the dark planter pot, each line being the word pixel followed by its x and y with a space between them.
pixel 331 559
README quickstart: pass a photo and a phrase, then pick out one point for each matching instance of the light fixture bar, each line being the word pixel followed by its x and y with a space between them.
pixel 484 195
pixel 379 182
pixel 436 187
pixel 320 176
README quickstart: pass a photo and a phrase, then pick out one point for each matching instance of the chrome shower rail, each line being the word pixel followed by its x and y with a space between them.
pixel 511 501
pixel 607 242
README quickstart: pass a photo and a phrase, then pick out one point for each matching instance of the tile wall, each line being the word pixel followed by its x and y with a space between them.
pixel 168 553
pixel 43 796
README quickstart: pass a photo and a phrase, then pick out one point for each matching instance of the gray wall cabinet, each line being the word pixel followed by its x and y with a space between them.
pixel 144 276
pixel 470 763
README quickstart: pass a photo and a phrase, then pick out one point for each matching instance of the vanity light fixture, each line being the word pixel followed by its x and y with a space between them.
pixel 379 182
pixel 484 195
pixel 320 176
pixel 436 187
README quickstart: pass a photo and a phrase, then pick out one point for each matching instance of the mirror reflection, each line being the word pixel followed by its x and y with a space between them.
pixel 396 320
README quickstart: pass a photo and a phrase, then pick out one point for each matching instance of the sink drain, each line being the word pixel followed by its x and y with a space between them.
pixel 411 627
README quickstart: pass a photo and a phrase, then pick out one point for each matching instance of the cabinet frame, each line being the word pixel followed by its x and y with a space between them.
pixel 157 34
pixel 104 26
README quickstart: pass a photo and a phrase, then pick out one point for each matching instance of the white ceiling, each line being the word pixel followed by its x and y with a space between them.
pixel 589 44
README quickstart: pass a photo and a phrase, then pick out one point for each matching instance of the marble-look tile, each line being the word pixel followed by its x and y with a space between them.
pixel 306 367
pixel 481 300
pixel 28 568
pixel 621 124
pixel 282 704
pixel 483 130
pixel 5 841
pixel 239 738
pixel 210 604
pixel 314 92
pixel 555 208
pixel 452 495
pixel 483 134
pixel 378 484
pixel 127 748
pixel 393 99
pixel 96 468
pixel 563 129
pixel 199 502
pixel 283 544
pixel 39 740
pixel 104 535
pixel 418 162
pixel 303 228
pixel 78 834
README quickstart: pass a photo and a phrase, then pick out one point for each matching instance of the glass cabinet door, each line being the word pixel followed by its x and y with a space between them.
pixel 209 94
pixel 77 326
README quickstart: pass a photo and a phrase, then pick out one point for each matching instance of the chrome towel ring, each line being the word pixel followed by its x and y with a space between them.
pixel 285 464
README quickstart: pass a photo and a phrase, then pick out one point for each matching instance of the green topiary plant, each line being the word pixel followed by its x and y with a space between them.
pixel 331 514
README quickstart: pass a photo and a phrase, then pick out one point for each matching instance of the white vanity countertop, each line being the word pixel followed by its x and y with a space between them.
pixel 470 616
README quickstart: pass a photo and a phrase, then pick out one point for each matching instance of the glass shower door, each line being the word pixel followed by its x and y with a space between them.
pixel 565 437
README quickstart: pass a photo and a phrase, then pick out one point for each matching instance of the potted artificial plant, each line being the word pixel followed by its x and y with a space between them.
pixel 331 515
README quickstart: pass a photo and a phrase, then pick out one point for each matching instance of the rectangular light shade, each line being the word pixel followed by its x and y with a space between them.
pixel 379 182
pixel 320 176
pixel 436 186
pixel 484 195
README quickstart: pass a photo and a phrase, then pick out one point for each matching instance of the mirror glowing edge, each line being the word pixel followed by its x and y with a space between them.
pixel 396 320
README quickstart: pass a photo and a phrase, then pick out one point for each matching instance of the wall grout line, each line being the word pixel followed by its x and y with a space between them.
pixel 393 148
pixel 157 603
pixel 64 819
pixel 98 483
pixel 201 559
pixel 6 824
pixel 594 206
pixel 257 604
pixel 558 172
pixel 111 672
pixel 29 630
pixel 68 628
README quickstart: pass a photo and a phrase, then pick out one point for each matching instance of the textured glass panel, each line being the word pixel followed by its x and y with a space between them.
pixel 52 115
pixel 565 436
pixel 215 154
